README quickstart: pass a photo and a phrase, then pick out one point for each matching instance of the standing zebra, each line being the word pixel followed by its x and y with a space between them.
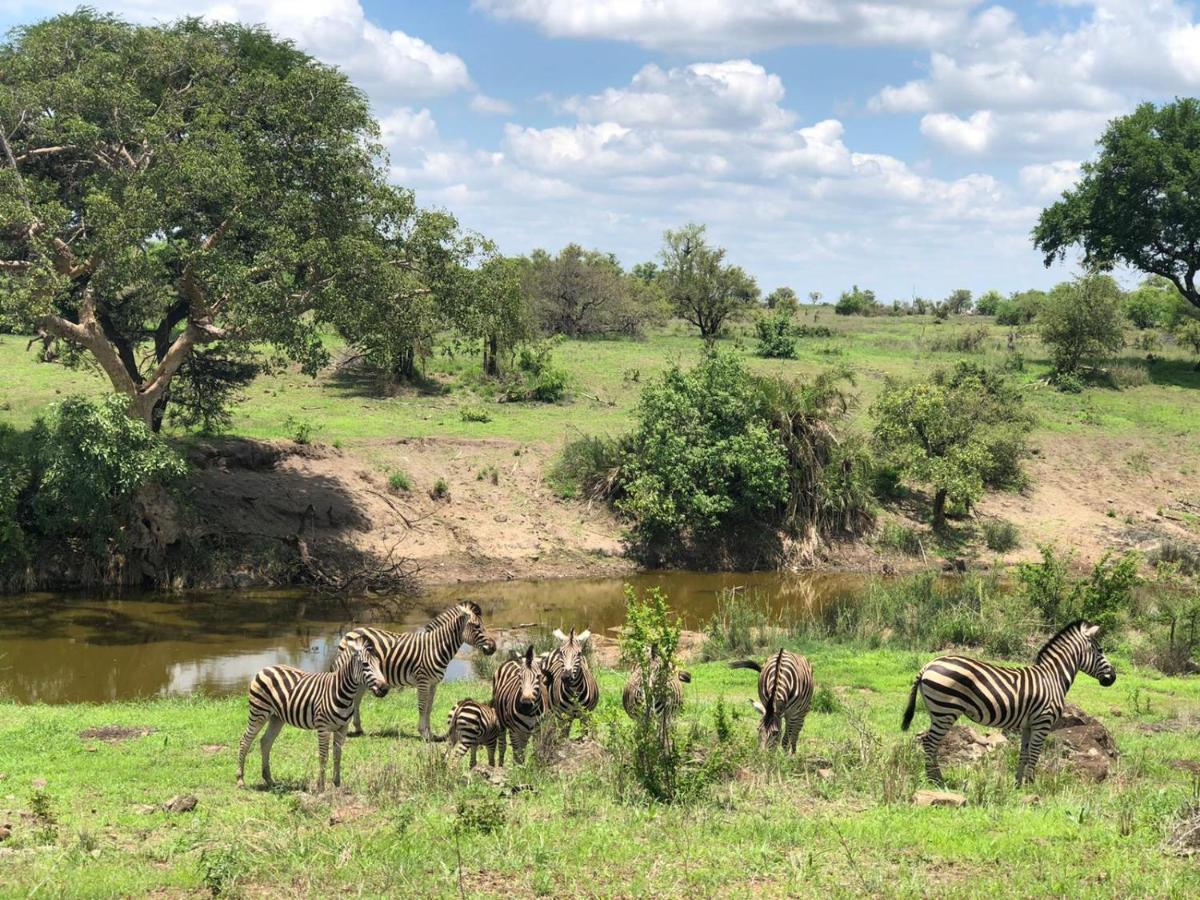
pixel 473 725
pixel 320 701
pixel 785 689
pixel 1028 697
pixel 521 701
pixel 573 687
pixel 632 697
pixel 420 658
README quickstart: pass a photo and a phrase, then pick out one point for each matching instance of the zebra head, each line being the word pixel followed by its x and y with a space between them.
pixel 1092 659
pixel 370 667
pixel 531 690
pixel 472 632
pixel 571 652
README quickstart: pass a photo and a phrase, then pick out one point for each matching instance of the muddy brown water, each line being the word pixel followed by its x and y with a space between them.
pixel 67 648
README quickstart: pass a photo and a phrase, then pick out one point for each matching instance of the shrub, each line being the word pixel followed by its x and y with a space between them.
pixel 722 460
pixel 1080 321
pixel 739 627
pixel 1001 537
pixel 776 338
pixel 90 460
pixel 16 480
pixel 536 377
pixel 474 414
pixel 1129 376
pixel 988 303
pixel 970 340
pixel 301 432
pixel 479 810
pixel 589 467
pixel 856 302
pixel 1179 553
pixel 1102 598
pixel 825 700
pixel 440 490
pixel 399 481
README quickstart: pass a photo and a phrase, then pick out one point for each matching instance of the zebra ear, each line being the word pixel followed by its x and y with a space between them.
pixel 559 636
pixel 354 645
pixel 529 656
pixel 473 607
pixel 582 637
pixel 1090 631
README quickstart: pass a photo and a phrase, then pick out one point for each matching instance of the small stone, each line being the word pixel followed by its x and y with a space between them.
pixel 180 804
pixel 939 798
pixel 144 809
pixel 96 853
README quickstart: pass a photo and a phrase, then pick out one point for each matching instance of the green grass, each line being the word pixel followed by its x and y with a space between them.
pixel 608 376
pixel 401 825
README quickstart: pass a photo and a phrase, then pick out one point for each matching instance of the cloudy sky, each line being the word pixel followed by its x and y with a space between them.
pixel 904 145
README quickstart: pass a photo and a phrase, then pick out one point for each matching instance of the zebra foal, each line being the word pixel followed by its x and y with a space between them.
pixel 420 658
pixel 473 725
pixel 785 689
pixel 521 701
pixel 315 701
pixel 1025 698
pixel 573 687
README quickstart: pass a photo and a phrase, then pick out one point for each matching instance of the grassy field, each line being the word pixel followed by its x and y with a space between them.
pixel 836 820
pixel 607 376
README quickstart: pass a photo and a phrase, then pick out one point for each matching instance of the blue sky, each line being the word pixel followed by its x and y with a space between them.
pixel 902 145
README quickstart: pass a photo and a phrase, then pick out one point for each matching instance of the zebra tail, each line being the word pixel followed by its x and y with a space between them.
pixel 746 664
pixel 912 705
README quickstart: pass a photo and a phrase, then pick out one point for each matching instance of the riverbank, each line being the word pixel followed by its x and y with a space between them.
pixel 84 786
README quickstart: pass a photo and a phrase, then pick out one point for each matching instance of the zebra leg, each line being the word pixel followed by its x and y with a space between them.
pixel 426 691
pixel 932 740
pixel 794 727
pixel 503 742
pixel 1037 736
pixel 322 758
pixel 358 699
pixel 274 726
pixel 339 738
pixel 1023 760
pixel 519 739
pixel 252 729
pixel 491 748
pixel 474 750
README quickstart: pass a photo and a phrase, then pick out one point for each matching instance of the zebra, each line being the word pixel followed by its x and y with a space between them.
pixel 632 696
pixel 420 658
pixel 473 725
pixel 521 701
pixel 320 701
pixel 573 687
pixel 785 689
pixel 1028 698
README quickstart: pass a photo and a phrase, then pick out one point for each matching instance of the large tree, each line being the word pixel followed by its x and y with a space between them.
pixel 702 288
pixel 1136 203
pixel 168 187
pixel 585 292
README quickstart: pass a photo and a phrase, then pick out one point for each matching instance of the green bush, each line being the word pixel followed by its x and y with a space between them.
pixel 536 377
pixel 399 481
pixel 901 538
pixel 1001 537
pixel 588 467
pixel 776 337
pixel 90 459
pixel 1103 598
pixel 474 413
pixel 856 302
pixel 16 479
pixel 1081 321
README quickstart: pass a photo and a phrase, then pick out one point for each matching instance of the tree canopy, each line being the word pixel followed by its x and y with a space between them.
pixel 700 286
pixel 1136 203
pixel 163 188
pixel 1081 320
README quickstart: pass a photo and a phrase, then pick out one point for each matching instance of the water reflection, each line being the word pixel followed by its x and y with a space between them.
pixel 68 648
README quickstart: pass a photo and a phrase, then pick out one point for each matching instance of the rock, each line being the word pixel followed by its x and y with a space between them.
pixel 180 804
pixel 144 809
pixel 38 783
pixel 965 745
pixel 1081 743
pixel 952 799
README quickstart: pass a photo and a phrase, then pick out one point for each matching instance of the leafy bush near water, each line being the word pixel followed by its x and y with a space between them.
pixel 73 478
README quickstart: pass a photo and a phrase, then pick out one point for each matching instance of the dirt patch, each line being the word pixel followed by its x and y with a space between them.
pixel 571 756
pixel 115 734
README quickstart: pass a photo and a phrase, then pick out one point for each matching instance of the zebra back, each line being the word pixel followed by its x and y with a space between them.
pixel 472 724
pixel 316 700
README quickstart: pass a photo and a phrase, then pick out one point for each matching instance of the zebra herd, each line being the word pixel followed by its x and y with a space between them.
pixel 560 685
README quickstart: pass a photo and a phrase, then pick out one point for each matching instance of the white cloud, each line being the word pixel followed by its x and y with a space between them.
pixel 722 25
pixel 970 135
pixel 1047 181
pixel 491 106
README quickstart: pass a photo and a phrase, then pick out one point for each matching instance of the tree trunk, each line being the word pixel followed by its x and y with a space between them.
pixel 491 357
pixel 939 509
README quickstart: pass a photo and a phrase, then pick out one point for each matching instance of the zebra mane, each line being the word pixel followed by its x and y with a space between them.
pixel 1058 636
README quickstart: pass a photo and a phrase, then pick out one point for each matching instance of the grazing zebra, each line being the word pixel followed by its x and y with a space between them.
pixel 320 701
pixel 573 687
pixel 633 700
pixel 473 725
pixel 521 701
pixel 1029 698
pixel 421 657
pixel 785 689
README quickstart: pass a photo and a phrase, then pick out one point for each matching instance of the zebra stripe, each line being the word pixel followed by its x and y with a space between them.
pixel 521 701
pixel 633 699
pixel 473 725
pixel 420 658
pixel 1028 698
pixel 320 701
pixel 785 689
pixel 573 687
